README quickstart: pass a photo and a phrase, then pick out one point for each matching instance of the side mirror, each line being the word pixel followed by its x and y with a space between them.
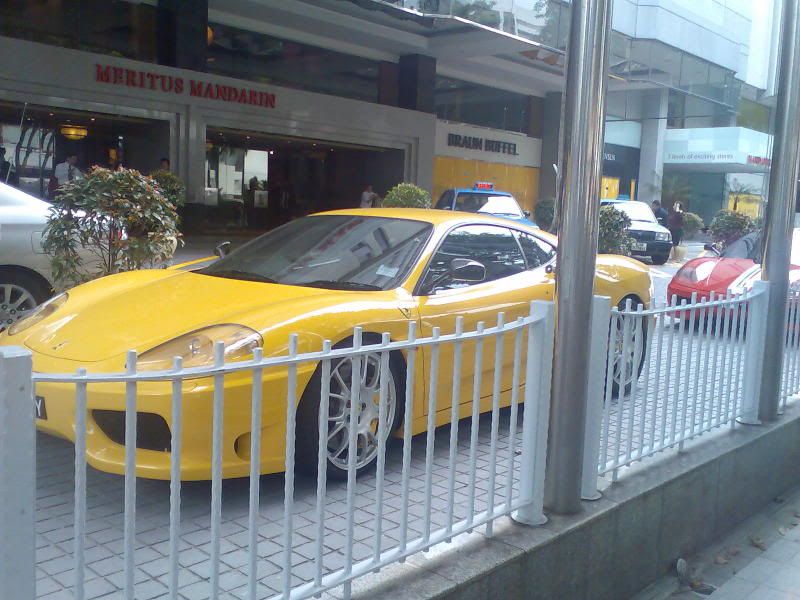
pixel 711 248
pixel 464 269
pixel 223 249
pixel 550 269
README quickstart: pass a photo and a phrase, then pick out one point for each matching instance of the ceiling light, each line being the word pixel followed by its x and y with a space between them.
pixel 72 132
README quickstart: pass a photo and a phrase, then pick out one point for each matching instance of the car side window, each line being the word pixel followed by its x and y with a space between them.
pixel 446 200
pixel 537 252
pixel 492 246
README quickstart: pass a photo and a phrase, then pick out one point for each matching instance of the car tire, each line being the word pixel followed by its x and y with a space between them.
pixel 624 388
pixel 659 259
pixel 307 429
pixel 20 292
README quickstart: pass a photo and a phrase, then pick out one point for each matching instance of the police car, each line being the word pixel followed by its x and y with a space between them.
pixel 483 198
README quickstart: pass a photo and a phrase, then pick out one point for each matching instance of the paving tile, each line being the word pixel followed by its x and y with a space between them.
pixel 735 589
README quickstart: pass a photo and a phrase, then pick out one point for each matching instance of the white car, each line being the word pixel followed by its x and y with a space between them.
pixel 25 274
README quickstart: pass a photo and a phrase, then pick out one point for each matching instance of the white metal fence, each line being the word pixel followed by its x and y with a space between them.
pixel 666 375
pixel 482 484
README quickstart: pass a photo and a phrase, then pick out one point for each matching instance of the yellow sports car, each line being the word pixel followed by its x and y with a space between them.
pixel 318 277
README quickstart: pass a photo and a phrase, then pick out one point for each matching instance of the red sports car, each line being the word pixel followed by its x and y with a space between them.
pixel 734 269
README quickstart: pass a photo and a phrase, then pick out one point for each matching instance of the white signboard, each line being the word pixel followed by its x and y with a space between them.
pixel 489 145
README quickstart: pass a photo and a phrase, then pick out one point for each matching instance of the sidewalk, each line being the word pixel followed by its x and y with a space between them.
pixel 760 560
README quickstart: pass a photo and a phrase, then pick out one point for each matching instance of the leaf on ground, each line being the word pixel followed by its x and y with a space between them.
pixel 797 514
pixel 757 542
pixel 734 551
pixel 782 530
pixel 721 559
pixel 702 588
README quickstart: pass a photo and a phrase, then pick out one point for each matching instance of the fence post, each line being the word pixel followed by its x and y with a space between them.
pixel 536 415
pixel 755 340
pixel 17 476
pixel 598 355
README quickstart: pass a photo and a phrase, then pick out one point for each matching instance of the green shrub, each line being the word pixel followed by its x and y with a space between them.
pixel 692 223
pixel 728 226
pixel 172 186
pixel 407 195
pixel 545 212
pixel 613 236
pixel 121 219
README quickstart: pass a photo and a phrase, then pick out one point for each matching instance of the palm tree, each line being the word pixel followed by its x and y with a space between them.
pixel 738 190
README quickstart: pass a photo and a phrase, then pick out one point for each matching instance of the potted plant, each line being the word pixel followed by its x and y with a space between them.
pixel 121 218
pixel 406 195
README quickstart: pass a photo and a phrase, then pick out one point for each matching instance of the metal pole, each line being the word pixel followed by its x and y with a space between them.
pixel 780 207
pixel 584 123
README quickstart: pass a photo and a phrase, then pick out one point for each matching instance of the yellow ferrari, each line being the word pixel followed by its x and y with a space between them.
pixel 318 277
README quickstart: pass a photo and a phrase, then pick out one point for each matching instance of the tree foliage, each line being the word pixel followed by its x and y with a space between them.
pixel 613 235
pixel 172 187
pixel 544 213
pixel 407 195
pixel 692 223
pixel 107 222
pixel 728 226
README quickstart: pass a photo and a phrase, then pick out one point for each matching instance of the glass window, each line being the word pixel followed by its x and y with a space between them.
pixel 492 205
pixel 118 27
pixel 336 252
pixel 446 200
pixel 466 102
pixel 494 247
pixel 259 57
pixel 537 252
pixel 636 211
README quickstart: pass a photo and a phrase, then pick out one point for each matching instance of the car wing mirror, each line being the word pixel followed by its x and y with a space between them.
pixel 223 249
pixel 711 248
pixel 550 269
pixel 464 269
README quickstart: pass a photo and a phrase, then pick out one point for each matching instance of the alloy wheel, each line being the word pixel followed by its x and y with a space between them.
pixel 367 411
pixel 15 303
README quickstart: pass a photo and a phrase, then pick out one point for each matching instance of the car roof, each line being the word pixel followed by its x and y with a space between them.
pixel 434 217
pixel 486 192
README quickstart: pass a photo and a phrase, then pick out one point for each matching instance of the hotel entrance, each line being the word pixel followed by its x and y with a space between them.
pixel 36 138
pixel 256 181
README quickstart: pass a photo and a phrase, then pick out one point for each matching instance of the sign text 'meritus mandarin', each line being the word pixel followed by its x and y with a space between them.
pixel 169 84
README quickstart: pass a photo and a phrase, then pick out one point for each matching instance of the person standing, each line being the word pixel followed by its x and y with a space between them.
pixel 675 224
pixel 67 171
pixel 662 216
pixel 5 167
pixel 369 199
pixel 164 165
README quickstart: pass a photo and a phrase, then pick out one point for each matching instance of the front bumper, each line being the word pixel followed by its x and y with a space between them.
pixel 106 452
pixel 654 248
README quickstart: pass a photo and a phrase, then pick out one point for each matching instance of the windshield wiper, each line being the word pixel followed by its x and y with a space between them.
pixel 340 285
pixel 243 275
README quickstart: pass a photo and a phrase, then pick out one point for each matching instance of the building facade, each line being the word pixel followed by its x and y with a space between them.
pixel 268 108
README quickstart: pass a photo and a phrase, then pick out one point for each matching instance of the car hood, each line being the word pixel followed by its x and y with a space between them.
pixel 712 274
pixel 143 309
pixel 647 226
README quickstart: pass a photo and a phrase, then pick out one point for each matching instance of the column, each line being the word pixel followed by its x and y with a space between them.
pixel 550 133
pixel 651 158
pixel 183 33
pixel 416 82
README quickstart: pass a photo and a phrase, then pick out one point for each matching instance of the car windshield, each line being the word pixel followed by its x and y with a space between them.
pixel 344 252
pixel 636 211
pixel 748 246
pixel 484 203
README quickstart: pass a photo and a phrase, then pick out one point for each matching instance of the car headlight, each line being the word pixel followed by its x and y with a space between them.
pixel 663 236
pixel 40 313
pixel 197 347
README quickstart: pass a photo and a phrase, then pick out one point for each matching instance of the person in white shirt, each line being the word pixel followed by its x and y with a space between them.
pixel 67 171
pixel 368 198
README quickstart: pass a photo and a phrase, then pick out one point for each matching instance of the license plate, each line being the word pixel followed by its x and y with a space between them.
pixel 641 246
pixel 41 409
